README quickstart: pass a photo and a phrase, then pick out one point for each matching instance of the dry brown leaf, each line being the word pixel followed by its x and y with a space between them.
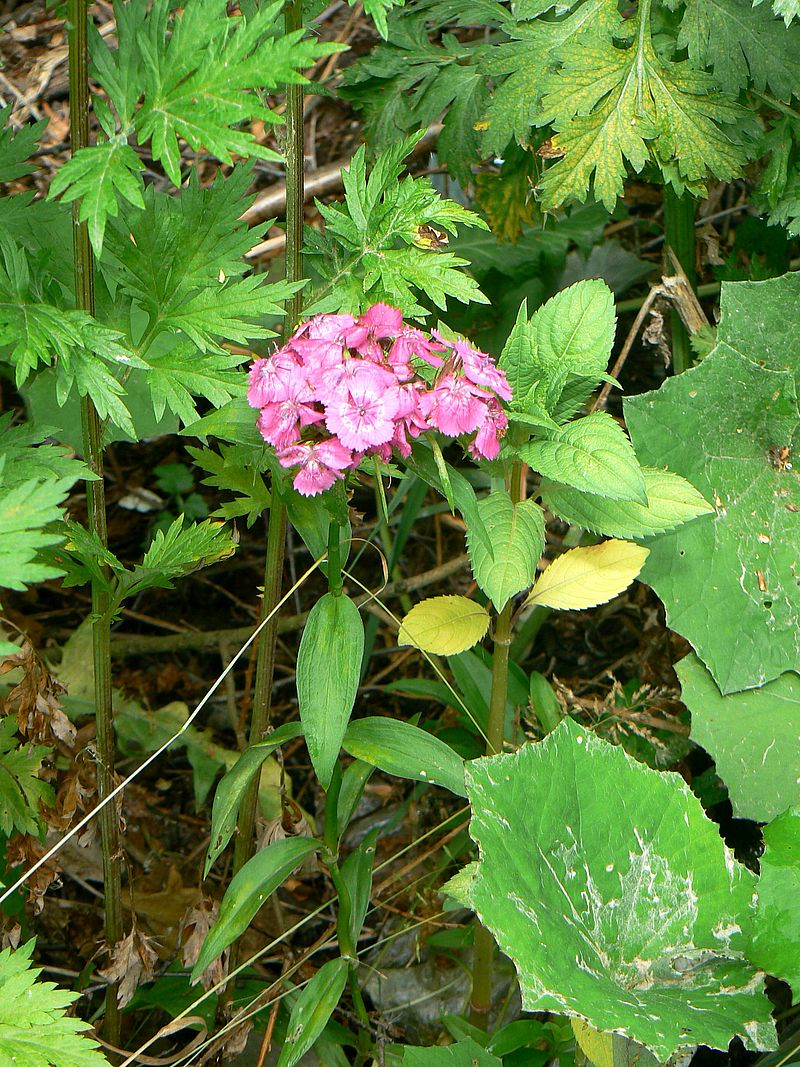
pixel 133 961
pixel 23 850
pixel 35 701
pixel 196 923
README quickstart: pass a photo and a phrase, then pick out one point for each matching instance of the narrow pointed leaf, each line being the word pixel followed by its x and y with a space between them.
pixel 328 673
pixel 313 1008
pixel 249 889
pixel 400 748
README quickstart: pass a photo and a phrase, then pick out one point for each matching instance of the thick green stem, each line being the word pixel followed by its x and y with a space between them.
pixel 95 495
pixel 680 237
pixel 483 958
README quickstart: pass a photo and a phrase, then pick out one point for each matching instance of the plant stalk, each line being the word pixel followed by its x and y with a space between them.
pixel 276 534
pixel 96 500
pixel 483 956
pixel 680 237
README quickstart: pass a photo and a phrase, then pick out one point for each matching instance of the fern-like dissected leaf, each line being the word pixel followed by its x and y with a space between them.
pixel 613 105
pixel 377 11
pixel 97 175
pixel 180 373
pixel 234 469
pixel 779 191
pixel 367 253
pixel 200 68
pixel 27 510
pixel 17 146
pixel 35 1030
pixel 742 44
pixel 784 9
pixel 21 789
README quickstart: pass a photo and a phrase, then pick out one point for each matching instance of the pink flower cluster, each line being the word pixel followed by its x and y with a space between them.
pixel 343 388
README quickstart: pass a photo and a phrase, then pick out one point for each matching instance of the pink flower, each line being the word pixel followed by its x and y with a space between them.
pixel 269 377
pixel 376 324
pixel 320 464
pixel 487 439
pixel 363 410
pixel 280 422
pixel 480 368
pixel 412 342
pixel 326 327
pixel 453 407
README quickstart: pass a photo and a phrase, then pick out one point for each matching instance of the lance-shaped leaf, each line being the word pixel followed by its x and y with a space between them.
pixel 444 625
pixel 728 580
pixel 516 532
pixel 752 736
pixel 585 577
pixel 461 1054
pixel 583 848
pixel 593 454
pixel 230 790
pixel 328 672
pixel 671 501
pixel 403 749
pixel 255 882
pixel 311 1012
pixel 775 945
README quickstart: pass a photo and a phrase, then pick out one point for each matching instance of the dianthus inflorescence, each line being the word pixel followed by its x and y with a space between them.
pixel 343 388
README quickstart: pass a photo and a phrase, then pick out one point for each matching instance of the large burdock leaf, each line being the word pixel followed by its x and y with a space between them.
pixel 585 577
pixel 753 737
pixel 444 625
pixel 729 580
pixel 776 939
pixel 614 895
pixel 516 532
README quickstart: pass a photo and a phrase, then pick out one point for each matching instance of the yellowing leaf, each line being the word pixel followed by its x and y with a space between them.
pixel 584 577
pixel 444 625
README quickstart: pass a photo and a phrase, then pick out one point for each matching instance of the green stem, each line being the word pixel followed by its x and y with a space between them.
pixel 276 533
pixel 95 495
pixel 483 958
pixel 680 237
pixel 334 558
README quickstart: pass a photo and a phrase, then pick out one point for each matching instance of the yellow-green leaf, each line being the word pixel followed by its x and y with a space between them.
pixel 584 577
pixel 444 625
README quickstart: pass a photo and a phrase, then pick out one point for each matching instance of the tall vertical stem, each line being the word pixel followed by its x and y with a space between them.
pixel 95 494
pixel 276 534
pixel 680 237
pixel 483 955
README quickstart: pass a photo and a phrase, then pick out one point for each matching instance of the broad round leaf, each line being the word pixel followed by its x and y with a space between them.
pixel 328 673
pixel 444 625
pixel 584 577
pixel 614 895
pixel 776 941
pixel 753 737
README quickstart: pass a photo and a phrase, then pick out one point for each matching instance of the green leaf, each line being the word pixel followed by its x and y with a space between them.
pixel 234 469
pixel 175 552
pixel 785 9
pixel 35 1030
pixel 312 1010
pixel 752 737
pixel 614 105
pixel 21 789
pixel 98 175
pixel 26 510
pixel 742 44
pixel 719 426
pixel 569 336
pixel 377 11
pixel 426 463
pixel 368 251
pixel 444 625
pixel 180 373
pixel 610 1050
pixel 517 533
pixel 584 577
pixel 671 501
pixel 400 748
pixel 248 890
pixel 17 146
pixel 328 673
pixel 585 848
pixel 458 1055
pixel 775 944
pixel 592 454
pixel 356 872
pixel 228 795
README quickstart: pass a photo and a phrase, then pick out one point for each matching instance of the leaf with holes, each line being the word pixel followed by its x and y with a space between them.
pixel 728 580
pixel 584 848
